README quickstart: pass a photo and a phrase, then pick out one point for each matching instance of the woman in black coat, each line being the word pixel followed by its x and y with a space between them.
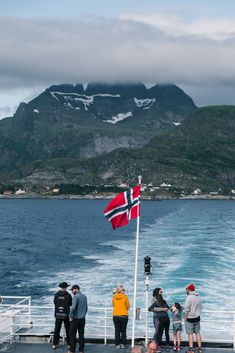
pixel 159 307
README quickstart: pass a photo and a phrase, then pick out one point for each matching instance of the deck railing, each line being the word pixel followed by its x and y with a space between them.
pixel 18 317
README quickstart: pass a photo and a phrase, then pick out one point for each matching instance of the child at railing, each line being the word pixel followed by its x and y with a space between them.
pixel 177 325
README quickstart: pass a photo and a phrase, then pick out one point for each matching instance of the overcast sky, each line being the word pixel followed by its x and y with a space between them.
pixel 189 43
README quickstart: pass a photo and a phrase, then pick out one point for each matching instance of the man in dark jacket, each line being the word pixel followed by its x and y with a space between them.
pixel 62 302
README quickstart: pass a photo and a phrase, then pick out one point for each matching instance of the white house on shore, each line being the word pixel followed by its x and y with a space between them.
pixel 20 192
pixel 197 191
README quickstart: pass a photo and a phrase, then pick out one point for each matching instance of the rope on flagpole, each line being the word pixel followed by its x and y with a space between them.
pixel 135 275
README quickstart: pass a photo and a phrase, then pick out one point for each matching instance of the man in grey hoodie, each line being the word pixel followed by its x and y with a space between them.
pixel 193 308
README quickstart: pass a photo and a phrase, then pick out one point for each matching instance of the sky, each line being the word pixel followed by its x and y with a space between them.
pixel 45 42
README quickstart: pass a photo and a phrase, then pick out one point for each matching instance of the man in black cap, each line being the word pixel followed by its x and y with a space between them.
pixel 77 316
pixel 62 302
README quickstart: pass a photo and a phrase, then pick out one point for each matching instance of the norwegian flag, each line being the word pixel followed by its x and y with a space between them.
pixel 123 207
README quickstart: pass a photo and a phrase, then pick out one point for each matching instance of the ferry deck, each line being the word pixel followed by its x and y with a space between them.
pixel 95 348
pixel 29 328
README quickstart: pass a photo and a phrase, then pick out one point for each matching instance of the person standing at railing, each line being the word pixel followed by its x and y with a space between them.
pixel 193 308
pixel 121 305
pixel 62 302
pixel 77 316
pixel 160 309
pixel 176 310
pixel 156 291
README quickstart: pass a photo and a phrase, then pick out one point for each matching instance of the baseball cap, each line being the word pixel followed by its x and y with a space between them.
pixel 75 286
pixel 191 287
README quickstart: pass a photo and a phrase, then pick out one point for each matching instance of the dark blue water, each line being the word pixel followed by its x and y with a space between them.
pixel 44 242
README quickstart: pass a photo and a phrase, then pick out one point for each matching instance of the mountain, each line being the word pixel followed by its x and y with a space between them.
pixel 201 152
pixel 198 153
pixel 72 121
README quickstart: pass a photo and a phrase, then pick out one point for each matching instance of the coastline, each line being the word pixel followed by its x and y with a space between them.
pixel 109 196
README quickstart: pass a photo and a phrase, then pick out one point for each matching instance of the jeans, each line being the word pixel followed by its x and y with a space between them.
pixel 77 325
pixel 164 325
pixel 120 324
pixel 58 324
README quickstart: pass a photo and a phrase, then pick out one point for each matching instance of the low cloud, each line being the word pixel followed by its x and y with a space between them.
pixel 220 28
pixel 40 52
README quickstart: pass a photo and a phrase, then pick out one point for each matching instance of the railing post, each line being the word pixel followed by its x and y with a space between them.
pixel 105 326
pixel 234 331
pixel 146 310
pixel 12 321
pixel 30 311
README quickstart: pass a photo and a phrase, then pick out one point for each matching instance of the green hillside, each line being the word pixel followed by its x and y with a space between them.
pixel 199 153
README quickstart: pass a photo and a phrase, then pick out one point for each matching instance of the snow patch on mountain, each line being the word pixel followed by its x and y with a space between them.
pixel 54 95
pixel 76 97
pixel 144 103
pixel 176 124
pixel 149 85
pixel 119 117
pixel 85 86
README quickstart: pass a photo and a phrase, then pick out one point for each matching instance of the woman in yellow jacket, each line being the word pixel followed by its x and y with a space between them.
pixel 121 306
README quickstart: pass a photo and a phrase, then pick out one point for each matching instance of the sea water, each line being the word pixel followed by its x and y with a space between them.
pixel 45 242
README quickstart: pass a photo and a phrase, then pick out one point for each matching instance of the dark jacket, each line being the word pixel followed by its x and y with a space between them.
pixel 62 300
pixel 156 307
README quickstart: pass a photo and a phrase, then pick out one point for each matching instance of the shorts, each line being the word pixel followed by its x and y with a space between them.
pixel 177 327
pixel 192 327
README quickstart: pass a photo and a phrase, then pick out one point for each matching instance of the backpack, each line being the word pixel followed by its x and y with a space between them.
pixel 61 306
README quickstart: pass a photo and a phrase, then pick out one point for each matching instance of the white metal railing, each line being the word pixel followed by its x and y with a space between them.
pixel 10 309
pixel 22 318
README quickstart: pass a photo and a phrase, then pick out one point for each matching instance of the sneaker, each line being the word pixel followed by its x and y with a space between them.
pixel 175 348
pixel 199 350
pixel 53 347
pixel 117 346
pixel 178 349
pixel 122 346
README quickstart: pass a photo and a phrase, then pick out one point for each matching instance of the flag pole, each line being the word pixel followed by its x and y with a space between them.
pixel 136 270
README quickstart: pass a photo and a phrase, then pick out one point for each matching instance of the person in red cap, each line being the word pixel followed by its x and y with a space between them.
pixel 193 308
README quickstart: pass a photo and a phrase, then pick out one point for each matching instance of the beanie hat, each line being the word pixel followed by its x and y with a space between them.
pixel 191 287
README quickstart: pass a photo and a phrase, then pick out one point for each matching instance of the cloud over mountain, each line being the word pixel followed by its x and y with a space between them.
pixel 133 48
pixel 42 50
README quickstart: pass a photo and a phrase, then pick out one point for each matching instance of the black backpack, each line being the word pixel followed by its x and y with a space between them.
pixel 62 303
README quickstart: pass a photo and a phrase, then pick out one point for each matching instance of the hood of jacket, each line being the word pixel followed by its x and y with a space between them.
pixel 194 293
pixel 119 296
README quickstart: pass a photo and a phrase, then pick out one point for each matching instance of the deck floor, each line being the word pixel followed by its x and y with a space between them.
pixel 92 348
